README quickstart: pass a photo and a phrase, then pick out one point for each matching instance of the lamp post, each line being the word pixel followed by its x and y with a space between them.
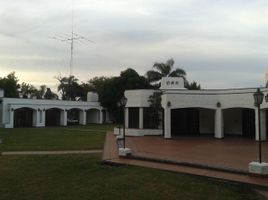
pixel 119 106
pixel 122 103
pixel 258 98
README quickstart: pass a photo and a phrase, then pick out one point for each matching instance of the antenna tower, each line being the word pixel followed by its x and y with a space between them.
pixel 71 38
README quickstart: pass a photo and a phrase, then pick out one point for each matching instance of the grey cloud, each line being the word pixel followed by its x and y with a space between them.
pixel 204 37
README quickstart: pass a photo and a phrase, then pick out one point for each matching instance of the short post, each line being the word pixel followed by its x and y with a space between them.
pixel 124 151
pixel 124 128
pixel 259 168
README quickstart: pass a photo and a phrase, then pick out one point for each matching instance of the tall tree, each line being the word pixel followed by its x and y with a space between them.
pixel 69 88
pixel 27 90
pixel 111 89
pixel 155 109
pixel 10 85
pixel 41 92
pixel 164 70
pixel 50 95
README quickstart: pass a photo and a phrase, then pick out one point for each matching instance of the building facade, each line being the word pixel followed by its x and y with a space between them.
pixel 18 112
pixel 217 113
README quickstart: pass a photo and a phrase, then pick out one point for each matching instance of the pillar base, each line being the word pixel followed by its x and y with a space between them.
pixel 124 152
pixel 258 168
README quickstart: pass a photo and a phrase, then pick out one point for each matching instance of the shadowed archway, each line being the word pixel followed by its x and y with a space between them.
pixel 23 117
pixel 93 116
pixel 239 122
pixel 53 117
pixel 73 116
pixel 192 122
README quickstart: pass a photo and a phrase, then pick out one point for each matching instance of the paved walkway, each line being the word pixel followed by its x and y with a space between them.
pixel 51 152
pixel 110 155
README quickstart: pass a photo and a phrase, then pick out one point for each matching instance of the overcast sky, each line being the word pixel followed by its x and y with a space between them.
pixel 220 43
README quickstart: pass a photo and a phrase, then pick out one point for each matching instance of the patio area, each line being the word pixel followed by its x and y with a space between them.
pixel 233 153
pixel 230 153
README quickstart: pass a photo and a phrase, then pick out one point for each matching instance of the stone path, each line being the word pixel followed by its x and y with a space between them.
pixel 5 153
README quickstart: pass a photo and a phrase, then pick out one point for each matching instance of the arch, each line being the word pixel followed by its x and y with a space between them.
pixel 241 107
pixel 54 107
pixel 239 121
pixel 74 108
pixel 53 116
pixel 23 117
pixel 192 121
pixel 73 116
pixel 195 106
pixel 93 115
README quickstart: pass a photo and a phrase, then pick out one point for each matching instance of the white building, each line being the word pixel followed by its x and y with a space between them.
pixel 18 112
pixel 196 112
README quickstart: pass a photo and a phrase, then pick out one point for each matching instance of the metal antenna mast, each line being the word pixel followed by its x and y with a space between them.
pixel 73 37
pixel 72 41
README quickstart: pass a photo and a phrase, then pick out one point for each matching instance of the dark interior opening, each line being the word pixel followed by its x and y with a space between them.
pixel 23 117
pixel 185 121
pixel 133 117
pixel 53 117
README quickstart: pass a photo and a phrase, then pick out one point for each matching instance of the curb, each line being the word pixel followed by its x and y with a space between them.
pixel 190 164
pixel 64 152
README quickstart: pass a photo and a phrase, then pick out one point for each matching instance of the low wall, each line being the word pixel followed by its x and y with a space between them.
pixel 138 132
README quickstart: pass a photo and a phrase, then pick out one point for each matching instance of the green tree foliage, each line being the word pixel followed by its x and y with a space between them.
pixel 164 70
pixel 192 86
pixel 161 70
pixel 156 109
pixel 41 92
pixel 69 88
pixel 50 95
pixel 27 90
pixel 10 85
pixel 111 89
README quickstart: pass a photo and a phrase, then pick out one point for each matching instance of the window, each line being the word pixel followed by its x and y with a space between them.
pixel 133 117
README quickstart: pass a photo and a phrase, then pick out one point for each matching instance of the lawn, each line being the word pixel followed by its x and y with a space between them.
pixel 83 177
pixel 54 138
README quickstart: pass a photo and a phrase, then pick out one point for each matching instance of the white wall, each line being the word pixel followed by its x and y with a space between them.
pixel 139 132
pixel 232 98
pixel 216 99
pixel 138 98
pixel 40 105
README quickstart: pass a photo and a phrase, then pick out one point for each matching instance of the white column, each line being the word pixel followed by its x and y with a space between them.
pixel 167 123
pixel 82 117
pixel 35 118
pixel 126 118
pixel 218 124
pixel 63 117
pixel 141 118
pixel 40 118
pixel 10 124
pixel 256 124
pixel 43 114
pixel 101 117
pixel 263 124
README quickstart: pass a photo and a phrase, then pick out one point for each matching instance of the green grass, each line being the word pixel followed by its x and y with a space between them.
pixel 54 138
pixel 83 177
